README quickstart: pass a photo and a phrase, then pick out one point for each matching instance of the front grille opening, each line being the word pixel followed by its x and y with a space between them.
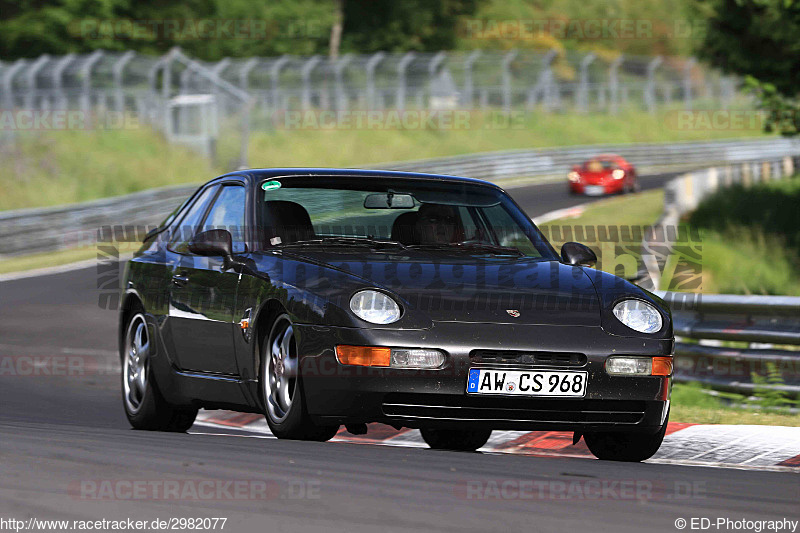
pixel 527 358
pixel 484 408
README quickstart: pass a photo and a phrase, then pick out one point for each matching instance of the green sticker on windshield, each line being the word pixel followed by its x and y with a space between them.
pixel 271 185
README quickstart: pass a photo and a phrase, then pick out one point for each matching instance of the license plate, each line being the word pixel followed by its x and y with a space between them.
pixel 594 190
pixel 526 382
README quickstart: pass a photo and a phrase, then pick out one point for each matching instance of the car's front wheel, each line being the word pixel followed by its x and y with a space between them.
pixel 631 447
pixel 456 439
pixel 282 387
pixel 144 405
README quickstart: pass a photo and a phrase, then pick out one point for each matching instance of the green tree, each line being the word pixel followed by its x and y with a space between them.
pixel 32 27
pixel 399 26
pixel 759 39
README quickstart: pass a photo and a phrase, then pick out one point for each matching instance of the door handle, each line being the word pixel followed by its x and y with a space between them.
pixel 180 279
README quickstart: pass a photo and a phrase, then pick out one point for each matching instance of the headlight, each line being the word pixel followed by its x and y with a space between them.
pixel 402 358
pixel 638 315
pixel 618 174
pixel 573 176
pixel 375 307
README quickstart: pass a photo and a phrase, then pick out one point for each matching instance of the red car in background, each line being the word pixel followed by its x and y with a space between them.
pixel 603 174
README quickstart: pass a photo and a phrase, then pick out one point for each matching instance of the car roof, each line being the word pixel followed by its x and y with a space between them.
pixel 605 156
pixel 257 174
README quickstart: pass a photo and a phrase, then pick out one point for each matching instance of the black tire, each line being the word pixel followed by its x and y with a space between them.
pixel 465 440
pixel 628 447
pixel 286 420
pixel 145 406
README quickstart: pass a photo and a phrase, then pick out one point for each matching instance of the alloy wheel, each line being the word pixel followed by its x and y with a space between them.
pixel 280 355
pixel 136 364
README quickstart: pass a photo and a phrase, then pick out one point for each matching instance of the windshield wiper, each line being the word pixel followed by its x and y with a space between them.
pixel 347 241
pixel 486 248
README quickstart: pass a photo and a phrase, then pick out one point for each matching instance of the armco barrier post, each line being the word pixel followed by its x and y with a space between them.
pixel 371 65
pixel 583 83
pixel 650 87
pixel 613 84
pixel 338 73
pixel 118 71
pixel 275 80
pixel 467 96
pixel 30 80
pixel 60 96
pixel 687 83
pixel 86 80
pixel 402 66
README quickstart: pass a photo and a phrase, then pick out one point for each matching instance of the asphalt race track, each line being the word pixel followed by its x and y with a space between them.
pixel 62 436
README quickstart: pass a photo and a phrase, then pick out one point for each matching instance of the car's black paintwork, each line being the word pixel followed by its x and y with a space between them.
pixel 203 357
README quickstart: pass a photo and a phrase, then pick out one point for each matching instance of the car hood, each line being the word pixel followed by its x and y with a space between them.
pixel 595 176
pixel 468 288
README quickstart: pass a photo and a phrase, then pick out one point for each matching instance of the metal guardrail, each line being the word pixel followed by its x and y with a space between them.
pixel 42 230
pixel 48 229
pixel 555 162
pixel 712 319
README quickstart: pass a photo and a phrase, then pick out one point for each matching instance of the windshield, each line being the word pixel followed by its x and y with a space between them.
pixel 396 214
pixel 598 165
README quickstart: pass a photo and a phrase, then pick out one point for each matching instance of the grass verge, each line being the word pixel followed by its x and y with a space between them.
pixel 750 239
pixel 691 404
pixel 613 227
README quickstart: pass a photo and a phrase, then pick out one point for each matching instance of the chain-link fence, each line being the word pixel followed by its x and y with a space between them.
pixel 192 101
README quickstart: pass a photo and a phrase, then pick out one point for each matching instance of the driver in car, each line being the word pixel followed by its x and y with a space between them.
pixel 438 224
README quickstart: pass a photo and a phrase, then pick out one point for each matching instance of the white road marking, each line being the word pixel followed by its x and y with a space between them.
pixel 58 269
pixel 567 212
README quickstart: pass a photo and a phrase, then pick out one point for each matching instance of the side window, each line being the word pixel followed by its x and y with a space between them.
pixel 507 232
pixel 228 214
pixel 179 242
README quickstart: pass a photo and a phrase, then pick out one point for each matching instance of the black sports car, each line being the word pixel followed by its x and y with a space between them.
pixel 327 297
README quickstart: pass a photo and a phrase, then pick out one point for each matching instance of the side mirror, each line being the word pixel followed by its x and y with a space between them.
pixel 212 242
pixel 575 253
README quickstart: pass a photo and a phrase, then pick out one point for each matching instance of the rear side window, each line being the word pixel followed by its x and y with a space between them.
pixel 228 214
pixel 185 230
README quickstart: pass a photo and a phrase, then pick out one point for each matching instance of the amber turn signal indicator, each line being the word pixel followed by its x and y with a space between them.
pixel 662 366
pixel 363 355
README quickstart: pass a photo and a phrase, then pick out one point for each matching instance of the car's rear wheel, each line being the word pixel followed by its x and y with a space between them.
pixel 282 387
pixel 456 439
pixel 144 405
pixel 630 447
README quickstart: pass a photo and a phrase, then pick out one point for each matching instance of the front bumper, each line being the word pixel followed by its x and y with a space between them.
pixel 342 394
pixel 605 187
